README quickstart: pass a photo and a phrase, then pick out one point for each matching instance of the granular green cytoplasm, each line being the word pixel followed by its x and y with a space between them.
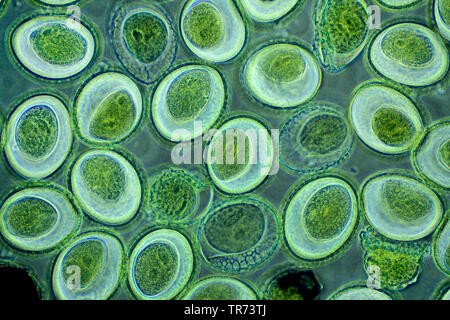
pixel 145 36
pixel 155 268
pixel 114 117
pixel 31 217
pixel 226 149
pixel 204 26
pixel 103 176
pixel 37 131
pixel 58 44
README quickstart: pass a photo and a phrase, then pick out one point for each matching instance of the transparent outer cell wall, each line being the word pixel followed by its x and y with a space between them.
pixel 226 149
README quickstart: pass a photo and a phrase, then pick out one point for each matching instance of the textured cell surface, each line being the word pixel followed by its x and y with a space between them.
pixel 282 75
pixel 213 30
pixel 160 265
pixel 268 11
pixel 292 284
pixel 248 156
pixel 143 39
pixel 315 138
pixel 98 258
pixel 188 102
pixel 178 195
pixel 220 288
pixel 408 53
pixel 441 245
pixel 430 157
pixel 45 46
pixel 400 207
pixel 239 234
pixel 400 263
pixel 39 136
pixel 341 32
pixel 107 186
pixel 386 120
pixel 108 109
pixel 319 217
pixel 38 218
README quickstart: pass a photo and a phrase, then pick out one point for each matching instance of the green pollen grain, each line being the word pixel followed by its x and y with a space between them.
pixel 327 212
pixel 405 202
pixel 37 132
pixel 114 117
pixel 58 44
pixel 215 291
pixel 323 134
pixel 346 25
pixel 392 127
pixel 399 262
pixel 103 176
pixel 396 268
pixel 145 36
pixel 188 95
pixel 444 9
pixel 444 153
pixel 283 65
pixel 88 256
pixel 204 26
pixel 172 197
pixel 407 47
pixel 233 148
pixel 235 228
pixel 30 217
pixel 155 268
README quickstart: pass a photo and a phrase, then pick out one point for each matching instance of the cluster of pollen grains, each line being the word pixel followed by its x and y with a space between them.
pixel 239 234
pixel 400 262
pixel 225 149
pixel 341 31
pixel 47 47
